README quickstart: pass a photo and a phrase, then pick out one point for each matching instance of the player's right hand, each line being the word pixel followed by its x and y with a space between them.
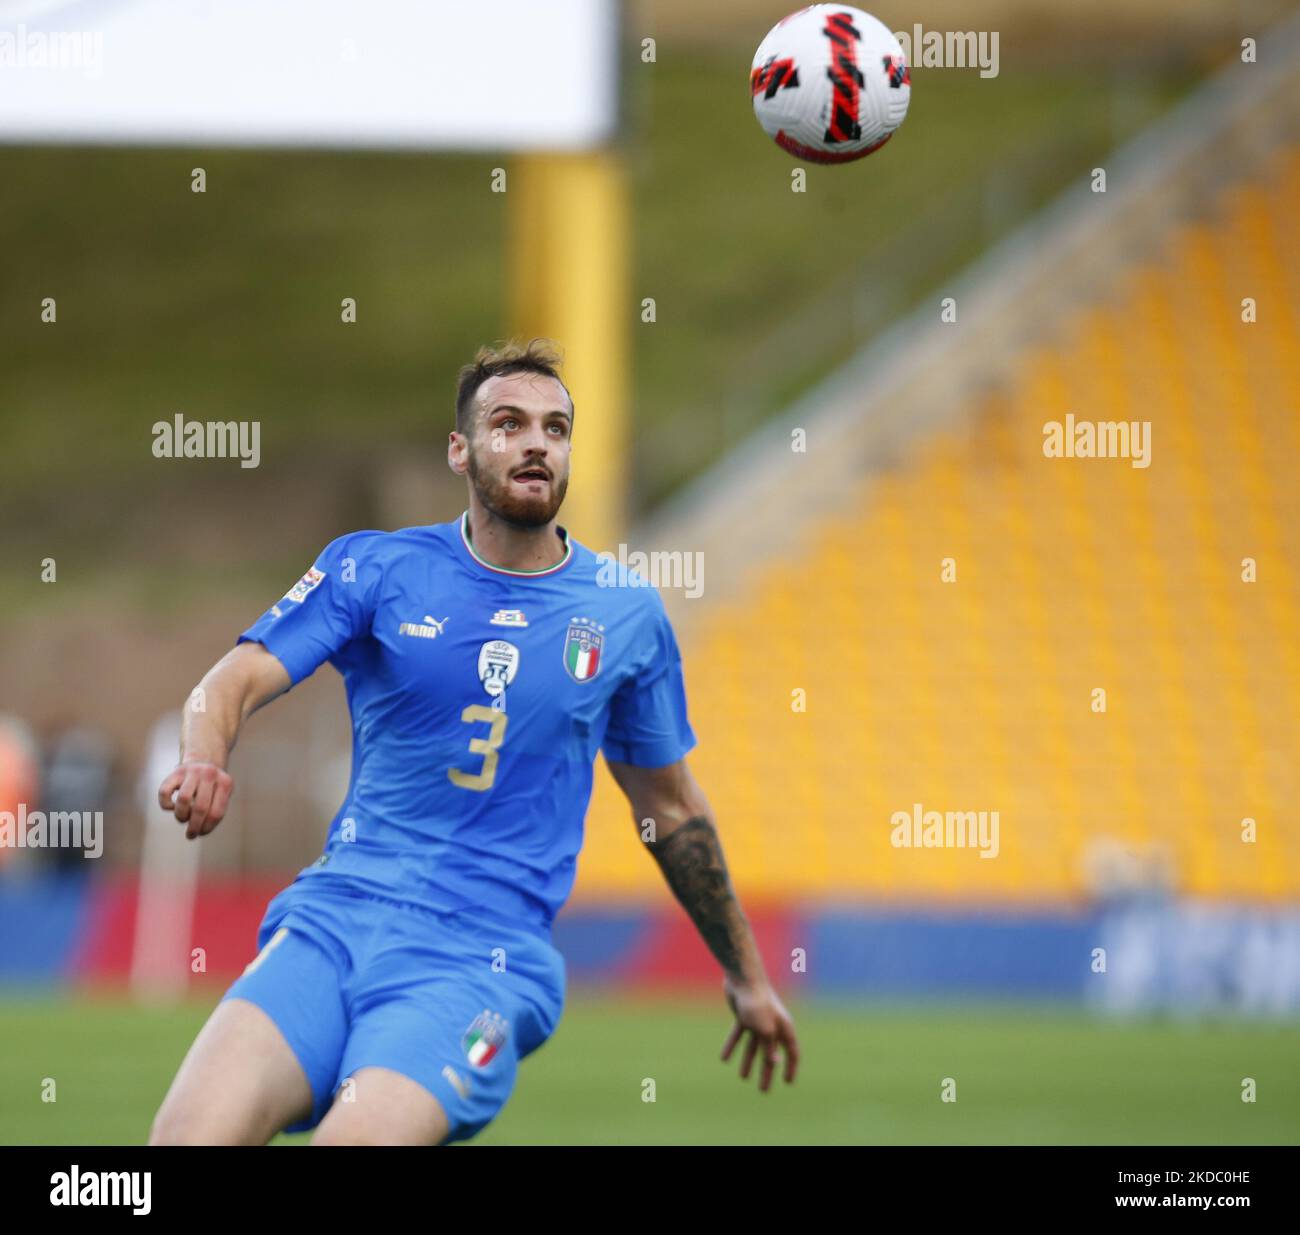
pixel 762 1015
pixel 198 794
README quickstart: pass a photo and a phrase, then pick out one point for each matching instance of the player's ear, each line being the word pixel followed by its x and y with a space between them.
pixel 458 452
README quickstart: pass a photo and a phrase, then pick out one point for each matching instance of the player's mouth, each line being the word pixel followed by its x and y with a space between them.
pixel 532 476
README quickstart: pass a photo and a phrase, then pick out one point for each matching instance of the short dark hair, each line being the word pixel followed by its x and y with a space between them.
pixel 495 360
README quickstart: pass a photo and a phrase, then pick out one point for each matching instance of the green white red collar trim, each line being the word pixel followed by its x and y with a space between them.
pixel 502 570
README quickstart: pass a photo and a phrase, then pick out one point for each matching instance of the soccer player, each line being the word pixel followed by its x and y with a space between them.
pixel 402 975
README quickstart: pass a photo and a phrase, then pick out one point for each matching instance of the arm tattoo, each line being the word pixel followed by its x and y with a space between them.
pixel 692 863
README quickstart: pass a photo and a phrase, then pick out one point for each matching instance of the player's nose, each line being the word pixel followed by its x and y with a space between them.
pixel 535 451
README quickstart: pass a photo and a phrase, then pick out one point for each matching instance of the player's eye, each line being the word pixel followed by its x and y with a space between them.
pixel 510 422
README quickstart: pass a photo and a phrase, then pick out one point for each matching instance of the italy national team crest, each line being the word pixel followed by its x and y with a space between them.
pixel 583 646
pixel 484 1038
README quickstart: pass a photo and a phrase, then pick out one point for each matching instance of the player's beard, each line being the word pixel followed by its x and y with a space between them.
pixel 518 509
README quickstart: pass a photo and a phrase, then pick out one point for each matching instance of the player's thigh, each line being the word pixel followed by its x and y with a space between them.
pixel 239 1084
pixel 377 1106
pixel 269 1056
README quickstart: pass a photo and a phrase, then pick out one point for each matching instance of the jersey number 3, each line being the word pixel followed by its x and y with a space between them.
pixel 487 747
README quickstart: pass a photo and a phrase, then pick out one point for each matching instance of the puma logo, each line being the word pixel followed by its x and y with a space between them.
pixel 431 628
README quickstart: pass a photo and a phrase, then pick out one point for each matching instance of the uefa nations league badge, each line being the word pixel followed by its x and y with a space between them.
pixel 498 662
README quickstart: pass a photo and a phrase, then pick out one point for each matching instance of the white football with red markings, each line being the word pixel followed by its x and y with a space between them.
pixel 830 83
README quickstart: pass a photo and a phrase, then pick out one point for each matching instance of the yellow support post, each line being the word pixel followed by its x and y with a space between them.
pixel 568 254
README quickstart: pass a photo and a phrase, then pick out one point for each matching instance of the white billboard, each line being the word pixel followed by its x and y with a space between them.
pixel 381 74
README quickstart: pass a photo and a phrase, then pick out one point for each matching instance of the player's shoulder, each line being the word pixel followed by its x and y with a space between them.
pixel 374 545
pixel 617 583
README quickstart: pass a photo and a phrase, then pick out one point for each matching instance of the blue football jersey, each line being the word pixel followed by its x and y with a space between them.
pixel 479 698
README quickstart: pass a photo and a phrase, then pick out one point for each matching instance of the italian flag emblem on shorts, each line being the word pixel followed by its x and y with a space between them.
pixel 582 649
pixel 484 1038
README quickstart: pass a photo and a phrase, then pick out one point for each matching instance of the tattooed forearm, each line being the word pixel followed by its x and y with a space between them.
pixel 692 862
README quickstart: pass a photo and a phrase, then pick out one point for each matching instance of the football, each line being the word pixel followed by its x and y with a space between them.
pixel 830 83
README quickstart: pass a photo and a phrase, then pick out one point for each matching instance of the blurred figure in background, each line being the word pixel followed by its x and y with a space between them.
pixel 19 773
pixel 78 776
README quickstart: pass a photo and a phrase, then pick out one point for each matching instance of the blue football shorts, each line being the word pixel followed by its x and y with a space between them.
pixel 449 1000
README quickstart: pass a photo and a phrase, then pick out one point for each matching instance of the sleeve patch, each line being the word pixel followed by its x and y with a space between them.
pixel 303 588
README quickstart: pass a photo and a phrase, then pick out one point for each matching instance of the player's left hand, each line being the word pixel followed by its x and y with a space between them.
pixel 761 1015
